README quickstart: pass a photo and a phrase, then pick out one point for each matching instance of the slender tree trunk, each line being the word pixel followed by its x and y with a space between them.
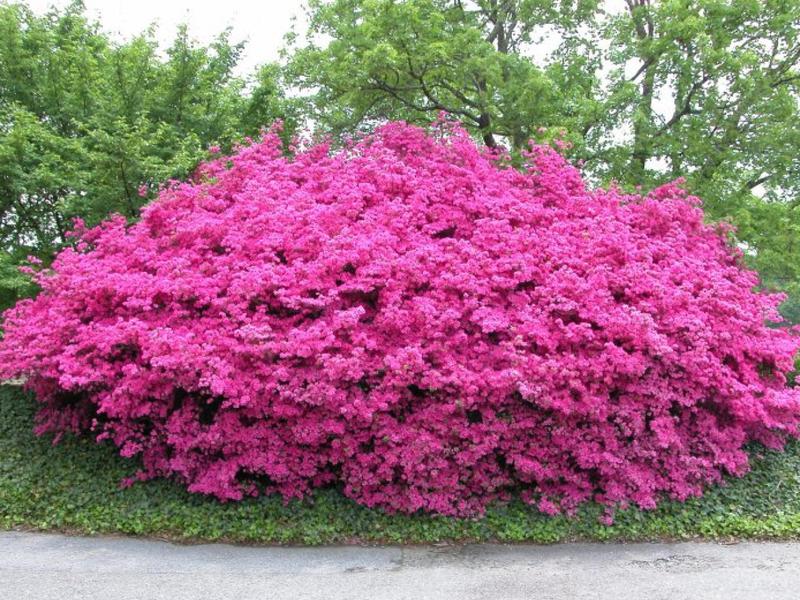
pixel 642 120
pixel 641 126
pixel 485 125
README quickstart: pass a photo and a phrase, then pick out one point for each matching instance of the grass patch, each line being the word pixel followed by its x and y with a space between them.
pixel 75 487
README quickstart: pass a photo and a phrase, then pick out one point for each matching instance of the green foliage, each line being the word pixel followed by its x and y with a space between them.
pixel 705 86
pixel 75 487
pixel 13 284
pixel 85 122
pixel 409 60
pixel 773 229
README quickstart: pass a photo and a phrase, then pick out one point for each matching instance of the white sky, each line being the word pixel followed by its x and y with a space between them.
pixel 262 24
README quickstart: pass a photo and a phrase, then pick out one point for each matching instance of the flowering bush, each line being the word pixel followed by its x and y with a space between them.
pixel 415 321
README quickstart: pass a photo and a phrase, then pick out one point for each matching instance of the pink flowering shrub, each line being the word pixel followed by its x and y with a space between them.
pixel 415 322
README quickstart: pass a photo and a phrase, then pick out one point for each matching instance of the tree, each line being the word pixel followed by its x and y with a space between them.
pixel 713 96
pixel 410 60
pixel 89 127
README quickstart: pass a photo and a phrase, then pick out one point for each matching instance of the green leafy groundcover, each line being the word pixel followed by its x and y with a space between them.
pixel 75 487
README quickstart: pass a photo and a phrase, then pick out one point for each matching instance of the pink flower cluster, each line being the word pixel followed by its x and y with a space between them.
pixel 415 321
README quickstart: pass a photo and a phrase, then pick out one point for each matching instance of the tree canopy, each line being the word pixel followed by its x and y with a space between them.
pixel 410 60
pixel 90 126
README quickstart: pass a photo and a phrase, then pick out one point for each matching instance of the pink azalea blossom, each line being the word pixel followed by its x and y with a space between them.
pixel 415 322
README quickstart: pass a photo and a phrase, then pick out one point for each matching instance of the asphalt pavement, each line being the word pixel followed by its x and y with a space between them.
pixel 40 566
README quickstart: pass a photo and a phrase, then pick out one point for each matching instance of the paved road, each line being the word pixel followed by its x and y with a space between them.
pixel 43 567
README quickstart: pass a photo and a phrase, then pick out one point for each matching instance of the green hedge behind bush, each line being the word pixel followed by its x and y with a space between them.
pixel 74 486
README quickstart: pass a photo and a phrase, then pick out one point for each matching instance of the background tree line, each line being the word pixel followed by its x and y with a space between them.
pixel 644 90
pixel 89 126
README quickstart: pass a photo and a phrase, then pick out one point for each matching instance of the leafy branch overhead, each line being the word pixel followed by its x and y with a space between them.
pixel 413 59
